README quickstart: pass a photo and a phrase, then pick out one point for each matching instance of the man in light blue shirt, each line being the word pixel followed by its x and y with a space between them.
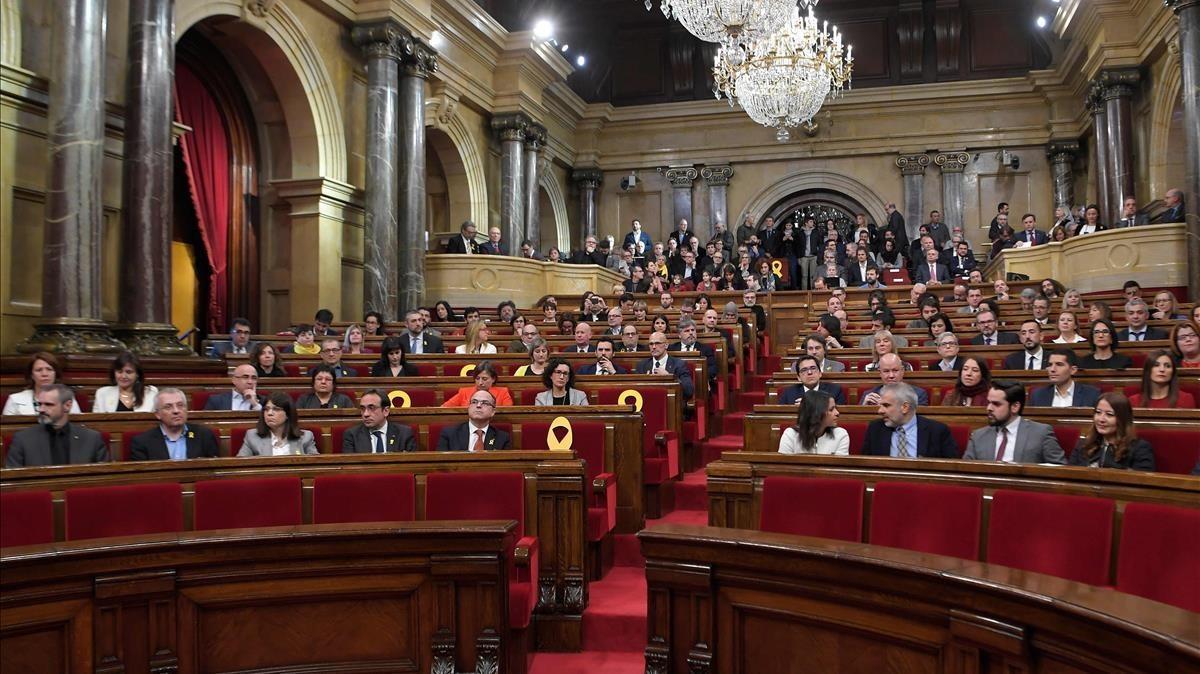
pixel 174 438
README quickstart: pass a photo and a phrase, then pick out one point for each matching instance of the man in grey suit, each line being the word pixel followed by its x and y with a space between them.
pixel 55 441
pixel 377 435
pixel 1008 437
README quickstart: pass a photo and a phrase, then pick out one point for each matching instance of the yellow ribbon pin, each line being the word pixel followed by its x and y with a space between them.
pixel 629 395
pixel 405 401
pixel 568 438
pixel 466 370
pixel 777 268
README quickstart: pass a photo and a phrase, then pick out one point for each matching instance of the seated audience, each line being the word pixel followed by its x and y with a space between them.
pixel 559 379
pixel 54 440
pixel 539 356
pixel 331 355
pixel 243 396
pixel 1072 300
pixel 660 323
pixel 929 307
pixel 604 365
pixel 891 371
pixel 391 361
pixel 970 390
pixel 321 324
pixel 630 340
pixel 377 435
pixel 1091 221
pixel 506 310
pixel 1063 391
pixel 42 372
pixel 947 348
pixel 477 340
pixel 1104 356
pixel 900 432
pixel 808 372
pixel 416 338
pixel 477 433
pixel 265 360
pixel 882 319
pixel 1034 356
pixel 278 432
pixel 583 339
pixel 305 344
pixel 373 324
pixel 1136 316
pixel 1112 441
pixel 815 347
pixel 1068 329
pixel 883 344
pixel 128 391
pixel 1009 437
pixel 525 334
pixel 1160 384
pixel 661 363
pixel 1165 308
pixel 829 327
pixel 939 324
pixel 353 341
pixel 687 344
pixel 566 325
pixel 323 394
pixel 816 430
pixel 1050 288
pixel 239 340
pixel 1097 310
pixel 486 379
pixel 442 313
pixel 1185 343
pixel 174 439
pixel 1131 289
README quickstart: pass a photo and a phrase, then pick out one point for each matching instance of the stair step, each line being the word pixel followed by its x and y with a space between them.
pixel 711 450
pixel 627 552
pixel 691 493
pixel 732 422
pixel 615 619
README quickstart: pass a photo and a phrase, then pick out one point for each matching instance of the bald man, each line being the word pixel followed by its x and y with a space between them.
pixel 660 363
pixel 244 395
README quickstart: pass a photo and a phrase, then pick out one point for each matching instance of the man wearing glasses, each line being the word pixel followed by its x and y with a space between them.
pixel 243 397
pixel 988 336
pixel 529 333
pixel 331 355
pixel 947 348
pixel 477 434
pixel 660 363
pixel 377 435
pixel 239 340
pixel 808 372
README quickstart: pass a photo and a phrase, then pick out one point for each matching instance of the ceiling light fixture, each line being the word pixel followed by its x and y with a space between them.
pixel 580 60
pixel 543 29
pixel 1041 22
pixel 730 23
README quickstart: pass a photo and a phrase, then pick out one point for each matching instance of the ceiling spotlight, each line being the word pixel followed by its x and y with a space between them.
pixel 564 48
pixel 543 29
pixel 1041 22
pixel 580 60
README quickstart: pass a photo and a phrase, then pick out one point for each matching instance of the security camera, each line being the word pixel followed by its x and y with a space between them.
pixel 1009 159
pixel 629 182
pixel 1014 162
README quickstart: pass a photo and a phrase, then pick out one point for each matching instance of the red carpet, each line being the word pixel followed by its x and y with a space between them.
pixel 691 493
pixel 588 662
pixel 615 619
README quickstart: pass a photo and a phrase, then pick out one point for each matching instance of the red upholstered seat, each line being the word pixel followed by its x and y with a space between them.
pixel 940 519
pixel 294 370
pixel 813 507
pixel 1159 554
pixel 426 369
pixel 1068 436
pixel 660 445
pixel 1065 536
pixel 26 518
pixel 490 496
pixel 857 431
pixel 364 497
pixel 962 436
pixel 237 504
pixel 336 432
pixel 1176 448
pixel 417 397
pixel 197 399
pixel 237 435
pixel 588 444
pixel 124 510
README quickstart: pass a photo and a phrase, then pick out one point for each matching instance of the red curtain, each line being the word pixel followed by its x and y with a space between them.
pixel 207 165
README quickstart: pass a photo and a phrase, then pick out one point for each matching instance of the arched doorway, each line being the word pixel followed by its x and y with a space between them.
pixel 821 205
pixel 447 186
pixel 852 193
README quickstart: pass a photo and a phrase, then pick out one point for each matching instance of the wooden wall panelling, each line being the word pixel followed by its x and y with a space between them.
pixel 911 33
pixel 948 37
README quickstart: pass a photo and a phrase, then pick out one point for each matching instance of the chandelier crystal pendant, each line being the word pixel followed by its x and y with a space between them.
pixel 783 80
pixel 730 23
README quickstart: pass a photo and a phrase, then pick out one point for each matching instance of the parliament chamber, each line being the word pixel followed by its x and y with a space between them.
pixel 687 336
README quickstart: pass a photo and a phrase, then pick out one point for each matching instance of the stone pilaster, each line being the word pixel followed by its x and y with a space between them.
pixel 418 60
pixel 1188 13
pixel 511 128
pixel 535 140
pixel 1116 90
pixel 912 174
pixel 588 180
pixel 1062 160
pixel 717 178
pixel 681 179
pixel 1100 145
pixel 952 165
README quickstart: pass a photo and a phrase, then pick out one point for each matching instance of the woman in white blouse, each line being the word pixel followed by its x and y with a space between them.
pixel 43 370
pixel 816 430
pixel 477 339
pixel 278 432
pixel 1068 329
pixel 129 392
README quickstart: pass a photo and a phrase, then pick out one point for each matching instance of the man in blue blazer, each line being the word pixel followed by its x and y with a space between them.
pixel 1030 235
pixel 808 371
pixel 174 438
pixel 901 433
pixel 239 340
pixel 632 238
pixel 1064 391
pixel 477 434
pixel 605 347
pixel 660 363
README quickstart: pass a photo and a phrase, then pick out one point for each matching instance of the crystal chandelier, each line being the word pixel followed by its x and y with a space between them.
pixel 783 79
pixel 730 23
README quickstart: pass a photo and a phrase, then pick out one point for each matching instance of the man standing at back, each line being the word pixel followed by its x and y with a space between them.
pixel 1008 437
pixel 900 432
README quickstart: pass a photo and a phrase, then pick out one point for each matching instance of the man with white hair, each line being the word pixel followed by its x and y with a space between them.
pixel 1175 209
pixel 661 363
pixel 1136 315
pixel 902 433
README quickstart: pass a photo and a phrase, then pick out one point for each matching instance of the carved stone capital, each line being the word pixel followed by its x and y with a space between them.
pixel 442 105
pixel 379 39
pixel 717 175
pixel 71 335
pixel 1178 6
pixel 681 176
pixel 1117 83
pixel 1062 151
pixel 912 164
pixel 951 162
pixel 589 178
pixel 149 339
pixel 535 137
pixel 417 59
pixel 510 126
pixel 260 8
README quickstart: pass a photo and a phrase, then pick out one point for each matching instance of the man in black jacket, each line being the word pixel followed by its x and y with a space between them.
pixel 589 254
pixel 175 438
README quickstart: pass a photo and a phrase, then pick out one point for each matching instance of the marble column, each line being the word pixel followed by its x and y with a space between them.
pixel 510 128
pixel 1062 160
pixel 681 178
pixel 74 208
pixel 417 61
pixel 717 178
pixel 1118 87
pixel 1188 12
pixel 912 173
pixel 1100 145
pixel 147 183
pixel 953 183
pixel 381 280
pixel 588 181
pixel 535 139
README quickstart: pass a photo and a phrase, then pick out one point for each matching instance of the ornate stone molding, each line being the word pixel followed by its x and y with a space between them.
pixel 717 175
pixel 510 126
pixel 535 137
pixel 681 176
pixel 589 178
pixel 487 652
pixel 71 335
pixel 260 8
pixel 1178 6
pixel 417 58
pixel 379 39
pixel 441 105
pixel 1062 151
pixel 951 162
pixel 912 164
pixel 1112 84
pixel 148 339
pixel 443 652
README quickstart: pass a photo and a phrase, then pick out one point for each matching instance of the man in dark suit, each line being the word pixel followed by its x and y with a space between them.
pixel 331 355
pixel 986 320
pixel 891 371
pixel 856 270
pixel 636 235
pixel 417 339
pixel 1034 356
pixel 589 254
pixel 174 439
pixel 900 432
pixel 687 343
pixel 494 246
pixel 1063 390
pixel 629 340
pixel 681 233
pixel 895 224
pixel 660 363
pixel 583 339
pixel 1175 210
pixel 605 347
pixel 239 340
pixel 477 434
pixel 1130 216
pixel 464 243
pixel 55 441
pixel 932 271
pixel 1030 235
pixel 808 372
pixel 244 395
pixel 1137 314
pixel 947 348
pixel 962 262
pixel 377 435
pixel 999 222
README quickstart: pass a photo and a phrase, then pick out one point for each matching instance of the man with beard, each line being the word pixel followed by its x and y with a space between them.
pixel 1033 357
pixel 900 432
pixel 1008 437
pixel 55 441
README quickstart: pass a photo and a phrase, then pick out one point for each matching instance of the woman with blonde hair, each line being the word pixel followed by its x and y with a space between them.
pixel 1068 329
pixel 1072 300
pixel 477 339
pixel 353 342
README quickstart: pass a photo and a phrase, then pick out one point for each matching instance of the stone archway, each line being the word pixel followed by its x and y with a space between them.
pixel 460 156
pixel 1166 130
pixel 448 185
pixel 814 181
pixel 553 193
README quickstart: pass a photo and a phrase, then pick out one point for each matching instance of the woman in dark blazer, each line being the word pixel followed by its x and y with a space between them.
pixel 391 360
pixel 1112 441
pixel 324 395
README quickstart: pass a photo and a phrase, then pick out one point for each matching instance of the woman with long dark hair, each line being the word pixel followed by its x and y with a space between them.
pixel 278 432
pixel 559 379
pixel 391 361
pixel 128 392
pixel 1112 441
pixel 816 430
pixel 1160 384
pixel 971 389
pixel 1104 356
pixel 444 313
pixel 265 359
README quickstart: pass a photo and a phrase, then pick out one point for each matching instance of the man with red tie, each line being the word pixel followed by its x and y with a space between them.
pixel 477 434
pixel 1030 235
